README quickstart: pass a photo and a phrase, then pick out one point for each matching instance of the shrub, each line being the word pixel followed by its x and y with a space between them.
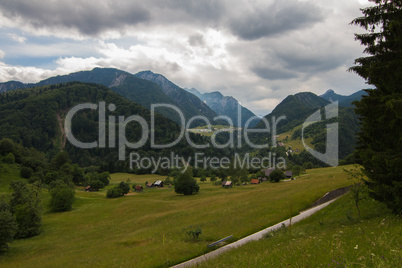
pixel 193 233
pixel 114 192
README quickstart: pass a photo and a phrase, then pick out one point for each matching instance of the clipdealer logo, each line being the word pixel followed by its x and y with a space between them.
pixel 113 127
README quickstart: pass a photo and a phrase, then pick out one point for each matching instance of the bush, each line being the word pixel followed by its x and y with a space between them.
pixel 114 192
pixel 62 198
pixel 194 233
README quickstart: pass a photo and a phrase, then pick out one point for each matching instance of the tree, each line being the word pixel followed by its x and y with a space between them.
pixel 60 159
pixel 222 173
pixel 9 158
pixel 62 197
pixel 8 225
pixel 379 146
pixel 297 170
pixel 167 181
pixel 25 206
pixel 6 146
pixel 105 178
pixel 213 178
pixel 124 187
pixel 186 184
pixel 276 175
pixel 96 185
pixel 26 172
pixel 78 175
pixel 203 178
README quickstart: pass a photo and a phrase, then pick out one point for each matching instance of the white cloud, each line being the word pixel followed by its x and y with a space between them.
pixel 15 37
pixel 2 54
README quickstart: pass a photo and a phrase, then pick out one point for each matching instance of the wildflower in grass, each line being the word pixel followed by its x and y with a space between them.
pixel 356 247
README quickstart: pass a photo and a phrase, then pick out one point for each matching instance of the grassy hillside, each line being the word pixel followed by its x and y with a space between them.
pixel 333 237
pixel 148 229
pixel 296 144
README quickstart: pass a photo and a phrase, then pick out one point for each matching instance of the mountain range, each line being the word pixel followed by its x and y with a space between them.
pixel 345 101
pixel 145 88
pixel 226 106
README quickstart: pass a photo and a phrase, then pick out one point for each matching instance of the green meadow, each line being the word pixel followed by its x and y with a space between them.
pixel 148 229
pixel 333 237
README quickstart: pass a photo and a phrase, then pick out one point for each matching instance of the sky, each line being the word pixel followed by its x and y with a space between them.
pixel 259 52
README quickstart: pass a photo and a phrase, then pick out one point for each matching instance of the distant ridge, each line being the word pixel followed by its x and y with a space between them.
pixel 226 106
pixel 296 108
pixel 186 101
pixel 345 101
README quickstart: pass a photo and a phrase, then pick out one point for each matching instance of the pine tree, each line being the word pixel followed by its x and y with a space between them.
pixel 379 148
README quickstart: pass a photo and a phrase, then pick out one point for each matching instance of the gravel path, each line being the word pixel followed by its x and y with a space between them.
pixel 253 237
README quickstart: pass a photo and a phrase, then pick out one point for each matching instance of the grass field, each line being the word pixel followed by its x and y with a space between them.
pixel 333 237
pixel 148 229
pixel 296 144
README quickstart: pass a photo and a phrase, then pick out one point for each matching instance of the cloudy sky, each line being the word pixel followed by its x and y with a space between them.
pixel 256 51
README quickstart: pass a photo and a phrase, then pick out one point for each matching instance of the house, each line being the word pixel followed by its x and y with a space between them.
pixel 227 184
pixel 158 183
pixel 264 179
pixel 88 188
pixel 289 174
pixel 138 188
pixel 150 185
pixel 255 181
pixel 267 171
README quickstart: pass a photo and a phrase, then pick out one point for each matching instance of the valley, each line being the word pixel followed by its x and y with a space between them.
pixel 132 229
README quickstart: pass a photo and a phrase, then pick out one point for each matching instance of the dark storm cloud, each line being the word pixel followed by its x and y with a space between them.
pixel 89 18
pixel 277 18
pixel 189 11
